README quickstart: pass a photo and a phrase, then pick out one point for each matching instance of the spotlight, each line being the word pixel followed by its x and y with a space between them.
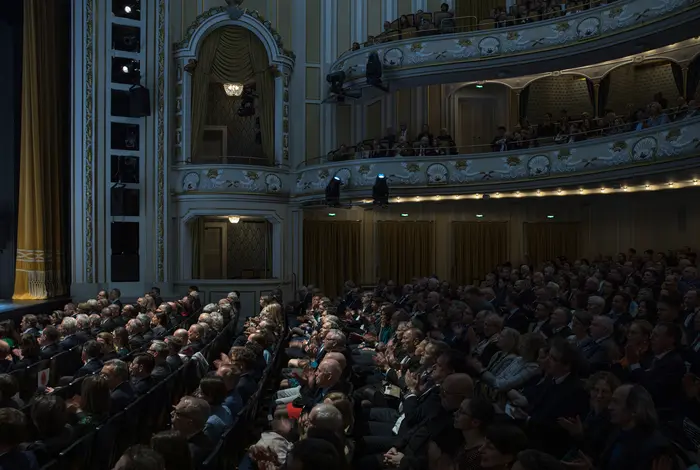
pixel 333 192
pixel 380 191
pixel 127 9
pixel 125 69
pixel 550 216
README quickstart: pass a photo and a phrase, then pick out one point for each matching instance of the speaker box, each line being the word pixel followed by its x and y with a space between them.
pixel 125 238
pixel 139 101
pixel 124 202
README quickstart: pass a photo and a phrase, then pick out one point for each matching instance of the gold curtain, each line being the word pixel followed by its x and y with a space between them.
pixel 200 89
pixel 478 248
pixel 544 241
pixel 332 254
pixel 197 228
pixel 481 9
pixel 39 264
pixel 406 250
pixel 234 55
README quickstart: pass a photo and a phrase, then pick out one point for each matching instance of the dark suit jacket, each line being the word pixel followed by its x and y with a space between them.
pixel 48 351
pixel 663 380
pixel 136 341
pixel 32 331
pixel 247 386
pixel 419 408
pixel 174 361
pixel 200 448
pixel 90 367
pixel 69 342
pixel 439 428
pixel 118 303
pixel 121 397
pixel 192 348
pixel 143 385
pixel 159 331
pixel 633 450
pixel 550 401
pixel 108 324
pixel 5 366
pixel 160 372
pixel 517 320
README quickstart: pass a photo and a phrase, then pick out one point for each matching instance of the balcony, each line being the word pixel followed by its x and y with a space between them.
pixel 631 26
pixel 671 147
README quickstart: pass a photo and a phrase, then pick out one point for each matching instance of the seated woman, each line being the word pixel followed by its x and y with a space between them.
pixel 213 391
pixel 92 406
pixel 28 352
pixel 121 341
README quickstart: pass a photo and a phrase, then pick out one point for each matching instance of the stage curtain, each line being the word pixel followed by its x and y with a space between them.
pixel 478 248
pixel 524 101
pixel 197 228
pixel 39 269
pixel 481 9
pixel 200 89
pixel 234 55
pixel 677 72
pixel 406 250
pixel 545 241
pixel 332 254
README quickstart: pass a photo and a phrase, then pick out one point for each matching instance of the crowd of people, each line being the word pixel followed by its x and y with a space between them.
pixel 569 129
pixel 574 364
pixel 127 353
pixel 564 130
pixel 422 23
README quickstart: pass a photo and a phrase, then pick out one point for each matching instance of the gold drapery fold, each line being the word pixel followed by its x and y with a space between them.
pixel 332 254
pixel 197 228
pixel 234 55
pixel 481 9
pixel 200 89
pixel 406 250
pixel 478 248
pixel 545 241
pixel 39 264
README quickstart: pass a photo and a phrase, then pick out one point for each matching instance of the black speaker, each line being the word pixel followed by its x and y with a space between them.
pixel 139 101
pixel 125 268
pixel 124 202
pixel 125 238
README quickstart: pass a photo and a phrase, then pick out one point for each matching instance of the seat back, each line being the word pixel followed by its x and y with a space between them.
pixel 80 452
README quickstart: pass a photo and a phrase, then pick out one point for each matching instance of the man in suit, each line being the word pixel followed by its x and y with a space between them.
pixel 602 351
pixel 155 293
pixel 515 316
pixel 83 332
pixel 195 336
pixel 159 350
pixel 173 360
pixel 140 371
pixel 29 325
pixel 135 328
pixel 49 340
pixel 92 351
pixel 230 373
pixel 189 418
pixel 543 310
pixel 559 324
pixel 664 378
pixel 114 298
pixel 116 373
pixel 69 327
pixel 560 395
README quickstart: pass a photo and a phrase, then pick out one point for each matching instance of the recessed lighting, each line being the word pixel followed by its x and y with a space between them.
pixel 560 192
pixel 695 181
pixel 603 189
pixel 478 216
pixel 437 198
pixel 539 193
pixel 625 188
pixel 517 194
pixel 404 215
pixel 497 194
pixel 647 186
pixel 398 199
pixel 331 214
pixel 581 191
pixel 418 198
pixel 458 197
pixel 550 216
pixel 234 219
pixel 477 196
pixel 671 183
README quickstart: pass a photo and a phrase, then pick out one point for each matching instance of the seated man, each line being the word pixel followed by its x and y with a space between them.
pixel 189 418
pixel 92 352
pixel 116 372
pixel 326 379
pixel 230 373
pixel 13 429
pixel 140 370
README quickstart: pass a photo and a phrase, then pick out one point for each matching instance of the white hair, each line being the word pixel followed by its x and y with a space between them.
pixel 69 325
pixel 209 308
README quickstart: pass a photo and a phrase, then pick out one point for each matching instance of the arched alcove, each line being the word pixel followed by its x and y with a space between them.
pixel 551 94
pixel 476 111
pixel 245 50
pixel 637 83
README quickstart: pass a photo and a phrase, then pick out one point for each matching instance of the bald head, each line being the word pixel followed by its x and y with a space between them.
pixel 327 418
pixel 328 373
pixel 454 389
pixel 338 357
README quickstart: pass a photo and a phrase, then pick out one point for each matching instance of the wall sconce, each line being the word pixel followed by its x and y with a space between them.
pixel 234 220
pixel 233 89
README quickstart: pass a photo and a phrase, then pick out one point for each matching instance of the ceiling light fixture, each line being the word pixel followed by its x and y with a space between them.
pixel 233 89
pixel 234 219
pixel 127 9
pixel 695 181
pixel 404 215
pixel 581 191
pixel 331 214
pixel 550 216
pixel 479 216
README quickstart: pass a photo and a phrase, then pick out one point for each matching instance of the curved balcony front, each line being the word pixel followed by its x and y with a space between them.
pixel 666 148
pixel 625 27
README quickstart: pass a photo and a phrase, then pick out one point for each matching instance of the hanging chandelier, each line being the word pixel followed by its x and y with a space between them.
pixel 233 89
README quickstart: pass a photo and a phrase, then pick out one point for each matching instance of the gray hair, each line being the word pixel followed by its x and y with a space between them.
pixel 326 417
pixel 93 303
pixel 209 308
pixel 217 321
pixel 121 369
pixel 640 404
pixel 204 318
pixel 144 319
pixel 82 321
pixel 160 347
pixel 233 296
pixel 513 334
pixel 69 325
pixel 596 300
pixel 197 409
